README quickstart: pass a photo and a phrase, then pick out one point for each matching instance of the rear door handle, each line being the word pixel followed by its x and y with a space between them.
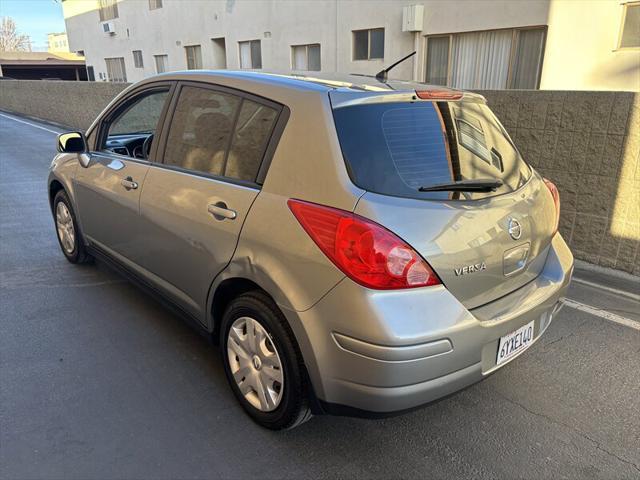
pixel 220 211
pixel 128 183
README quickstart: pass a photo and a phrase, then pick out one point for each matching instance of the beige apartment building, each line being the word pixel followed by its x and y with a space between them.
pixel 471 44
pixel 57 42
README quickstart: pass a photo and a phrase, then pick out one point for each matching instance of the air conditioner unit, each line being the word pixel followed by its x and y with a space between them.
pixel 412 18
pixel 108 28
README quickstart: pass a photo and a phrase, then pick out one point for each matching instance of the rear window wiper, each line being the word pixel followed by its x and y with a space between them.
pixel 477 185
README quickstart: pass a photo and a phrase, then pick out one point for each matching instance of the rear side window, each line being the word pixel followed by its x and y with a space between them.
pixel 200 130
pixel 396 148
pixel 253 130
pixel 219 134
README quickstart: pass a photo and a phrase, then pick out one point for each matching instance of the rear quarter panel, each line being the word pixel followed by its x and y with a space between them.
pixel 274 251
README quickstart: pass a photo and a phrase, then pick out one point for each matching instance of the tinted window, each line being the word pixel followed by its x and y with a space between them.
pixel 252 133
pixel 201 129
pixel 396 148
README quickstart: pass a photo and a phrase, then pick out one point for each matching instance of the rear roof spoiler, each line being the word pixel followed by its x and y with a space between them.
pixel 347 97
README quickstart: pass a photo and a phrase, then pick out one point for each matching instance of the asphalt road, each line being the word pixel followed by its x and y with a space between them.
pixel 98 380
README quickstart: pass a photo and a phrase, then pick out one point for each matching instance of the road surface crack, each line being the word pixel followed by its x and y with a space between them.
pixel 597 444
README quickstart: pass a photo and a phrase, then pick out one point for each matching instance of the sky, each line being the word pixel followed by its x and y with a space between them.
pixel 35 18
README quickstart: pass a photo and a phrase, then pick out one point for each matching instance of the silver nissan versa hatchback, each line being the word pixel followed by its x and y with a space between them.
pixel 355 247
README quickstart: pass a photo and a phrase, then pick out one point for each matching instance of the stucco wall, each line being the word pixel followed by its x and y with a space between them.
pixel 588 143
pixel 581 50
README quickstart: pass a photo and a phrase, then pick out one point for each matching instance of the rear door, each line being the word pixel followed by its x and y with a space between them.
pixel 195 202
pixel 108 189
pixel 482 245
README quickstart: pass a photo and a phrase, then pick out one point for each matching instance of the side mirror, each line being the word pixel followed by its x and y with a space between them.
pixel 72 142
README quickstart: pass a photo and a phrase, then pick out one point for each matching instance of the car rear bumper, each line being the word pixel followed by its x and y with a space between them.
pixel 389 351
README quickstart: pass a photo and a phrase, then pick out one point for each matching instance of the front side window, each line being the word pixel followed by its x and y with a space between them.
pixel 108 10
pixel 306 57
pixel 368 44
pixel 116 71
pixel 250 54
pixel 495 59
pixel 194 57
pixel 630 34
pixel 133 128
pixel 162 63
pixel 137 59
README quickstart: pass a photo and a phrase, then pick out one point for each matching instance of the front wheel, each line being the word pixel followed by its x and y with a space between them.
pixel 67 229
pixel 263 363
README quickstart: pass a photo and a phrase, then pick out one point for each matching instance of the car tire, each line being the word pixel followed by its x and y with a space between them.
pixel 68 231
pixel 252 380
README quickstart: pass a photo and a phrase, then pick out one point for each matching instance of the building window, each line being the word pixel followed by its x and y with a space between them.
pixel 137 59
pixel 162 63
pixel 91 76
pixel 108 10
pixel 368 44
pixel 305 57
pixel 630 34
pixel 250 54
pixel 154 4
pixel 495 59
pixel 115 69
pixel 194 57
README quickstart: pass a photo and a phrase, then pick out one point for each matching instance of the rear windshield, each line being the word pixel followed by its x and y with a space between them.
pixel 396 148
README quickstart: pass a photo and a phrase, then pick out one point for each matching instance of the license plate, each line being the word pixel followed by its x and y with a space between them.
pixel 515 342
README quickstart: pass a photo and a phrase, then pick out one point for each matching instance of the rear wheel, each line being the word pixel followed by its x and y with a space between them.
pixel 263 363
pixel 67 229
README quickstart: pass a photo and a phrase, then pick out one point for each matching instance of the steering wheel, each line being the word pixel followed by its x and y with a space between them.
pixel 146 146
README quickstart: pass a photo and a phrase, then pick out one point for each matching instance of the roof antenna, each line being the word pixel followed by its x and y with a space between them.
pixel 382 75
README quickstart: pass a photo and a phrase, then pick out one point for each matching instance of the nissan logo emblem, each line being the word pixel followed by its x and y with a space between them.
pixel 515 230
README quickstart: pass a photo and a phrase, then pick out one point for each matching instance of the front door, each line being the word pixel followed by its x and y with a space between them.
pixel 195 202
pixel 108 190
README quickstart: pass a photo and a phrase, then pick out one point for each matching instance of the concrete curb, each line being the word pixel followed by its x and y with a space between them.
pixel 597 269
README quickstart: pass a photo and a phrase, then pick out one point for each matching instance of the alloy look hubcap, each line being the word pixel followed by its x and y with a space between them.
pixel 64 225
pixel 255 364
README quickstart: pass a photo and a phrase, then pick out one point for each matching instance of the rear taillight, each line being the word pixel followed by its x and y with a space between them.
pixel 438 95
pixel 366 252
pixel 556 201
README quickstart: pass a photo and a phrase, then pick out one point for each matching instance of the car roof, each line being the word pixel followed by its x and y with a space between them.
pixel 311 81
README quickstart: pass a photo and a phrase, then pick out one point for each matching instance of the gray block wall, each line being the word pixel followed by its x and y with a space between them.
pixel 74 104
pixel 588 143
